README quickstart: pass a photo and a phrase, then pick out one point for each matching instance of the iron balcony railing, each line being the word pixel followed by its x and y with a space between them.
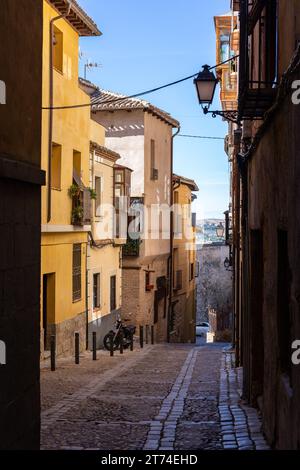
pixel 258 57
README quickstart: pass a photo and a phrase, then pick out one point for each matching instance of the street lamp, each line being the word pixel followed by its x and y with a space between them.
pixel 220 230
pixel 206 83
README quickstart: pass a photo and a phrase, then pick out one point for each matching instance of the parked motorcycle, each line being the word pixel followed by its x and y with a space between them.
pixel 120 331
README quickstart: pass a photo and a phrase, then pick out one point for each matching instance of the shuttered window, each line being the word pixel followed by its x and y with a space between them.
pixel 96 290
pixel 76 272
pixel 98 190
pixel 113 282
pixel 86 206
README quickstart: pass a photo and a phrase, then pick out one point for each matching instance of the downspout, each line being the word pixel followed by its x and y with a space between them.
pixel 51 94
pixel 87 298
pixel 88 305
pixel 170 259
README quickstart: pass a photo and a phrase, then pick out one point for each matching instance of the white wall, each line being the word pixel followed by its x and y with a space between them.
pixel 125 135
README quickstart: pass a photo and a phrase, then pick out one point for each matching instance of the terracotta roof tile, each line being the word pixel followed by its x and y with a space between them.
pixel 187 181
pixel 103 100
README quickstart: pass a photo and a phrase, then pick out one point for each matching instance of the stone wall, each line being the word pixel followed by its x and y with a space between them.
pixel 19 313
pixel 64 333
pixel 137 303
pixel 274 208
pixel 214 284
pixel 20 221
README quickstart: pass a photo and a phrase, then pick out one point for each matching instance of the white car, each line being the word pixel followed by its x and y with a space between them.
pixel 202 328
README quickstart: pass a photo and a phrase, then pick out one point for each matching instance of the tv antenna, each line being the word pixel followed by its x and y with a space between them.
pixel 89 66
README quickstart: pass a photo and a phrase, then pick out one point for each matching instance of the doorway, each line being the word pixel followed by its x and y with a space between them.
pixel 48 307
pixel 256 316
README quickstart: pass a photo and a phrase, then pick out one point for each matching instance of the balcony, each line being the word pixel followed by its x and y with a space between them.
pixel 258 58
pixel 132 248
pixel 81 205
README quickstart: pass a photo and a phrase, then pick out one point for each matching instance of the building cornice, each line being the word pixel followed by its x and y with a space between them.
pixel 77 17
pixel 104 152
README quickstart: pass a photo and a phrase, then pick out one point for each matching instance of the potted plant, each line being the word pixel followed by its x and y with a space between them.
pixel 77 215
pixel 74 190
pixel 93 193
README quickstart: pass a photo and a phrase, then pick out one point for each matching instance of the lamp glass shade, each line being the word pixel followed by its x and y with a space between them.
pixel 220 231
pixel 206 83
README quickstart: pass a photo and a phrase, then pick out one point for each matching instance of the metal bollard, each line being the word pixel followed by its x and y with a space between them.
pixel 141 336
pixel 111 345
pixel 52 349
pixel 131 342
pixel 147 334
pixel 152 334
pixel 94 346
pixel 76 348
pixel 121 342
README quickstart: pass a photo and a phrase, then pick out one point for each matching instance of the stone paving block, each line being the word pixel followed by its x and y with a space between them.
pixel 156 405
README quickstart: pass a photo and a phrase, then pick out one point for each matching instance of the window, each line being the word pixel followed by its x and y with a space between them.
pixel 153 170
pixel 224 47
pixel 194 219
pixel 76 272
pixel 256 314
pixel 58 41
pixel 283 302
pixel 56 167
pixel 96 291
pixel 192 271
pixel 98 197
pixel 148 286
pixel 119 187
pixel 113 285
pixel 77 163
pixel 48 306
pixel 258 59
pixel 197 269
pixel 176 197
pixel 178 280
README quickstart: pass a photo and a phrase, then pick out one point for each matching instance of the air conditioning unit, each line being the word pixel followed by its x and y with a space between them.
pixel 154 175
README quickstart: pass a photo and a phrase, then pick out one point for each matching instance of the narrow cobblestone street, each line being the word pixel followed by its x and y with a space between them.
pixel 163 397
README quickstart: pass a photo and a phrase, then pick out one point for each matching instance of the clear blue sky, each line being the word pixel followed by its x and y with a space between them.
pixel 147 44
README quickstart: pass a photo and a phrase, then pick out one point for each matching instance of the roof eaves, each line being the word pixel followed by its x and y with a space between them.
pixel 105 152
pixel 113 102
pixel 77 18
pixel 186 181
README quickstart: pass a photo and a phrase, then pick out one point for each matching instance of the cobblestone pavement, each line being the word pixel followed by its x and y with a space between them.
pixel 161 397
pixel 240 423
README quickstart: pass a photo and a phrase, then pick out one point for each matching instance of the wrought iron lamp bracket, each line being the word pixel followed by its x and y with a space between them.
pixel 231 116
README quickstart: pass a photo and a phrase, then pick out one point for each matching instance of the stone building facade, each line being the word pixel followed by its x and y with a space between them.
pixel 142 135
pixel 66 215
pixel 263 147
pixel 185 267
pixel 214 286
pixel 21 179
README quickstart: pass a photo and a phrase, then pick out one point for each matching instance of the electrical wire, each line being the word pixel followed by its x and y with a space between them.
pixel 122 98
pixel 200 137
pixel 136 95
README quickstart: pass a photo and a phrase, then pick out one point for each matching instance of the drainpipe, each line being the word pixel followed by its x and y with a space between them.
pixel 51 94
pixel 170 260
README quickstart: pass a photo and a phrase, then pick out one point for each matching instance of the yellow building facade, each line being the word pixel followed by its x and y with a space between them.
pixel 65 158
pixel 110 182
pixel 185 269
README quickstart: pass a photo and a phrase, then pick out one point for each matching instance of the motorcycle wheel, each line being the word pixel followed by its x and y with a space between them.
pixel 106 342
